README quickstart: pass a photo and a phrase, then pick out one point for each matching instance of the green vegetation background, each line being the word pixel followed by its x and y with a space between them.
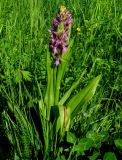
pixel 97 47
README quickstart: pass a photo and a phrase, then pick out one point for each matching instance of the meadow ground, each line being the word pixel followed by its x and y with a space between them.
pixel 97 49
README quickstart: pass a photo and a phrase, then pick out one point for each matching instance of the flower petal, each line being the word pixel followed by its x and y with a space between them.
pixel 57 62
pixel 55 50
pixel 55 22
pixel 64 48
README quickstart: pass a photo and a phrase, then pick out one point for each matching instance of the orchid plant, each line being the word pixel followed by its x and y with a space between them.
pixel 57 112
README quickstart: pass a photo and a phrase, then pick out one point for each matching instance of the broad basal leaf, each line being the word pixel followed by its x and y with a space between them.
pixel 83 96
pixel 63 120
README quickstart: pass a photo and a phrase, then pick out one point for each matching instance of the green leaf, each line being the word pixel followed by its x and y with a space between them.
pixel 46 99
pixel 49 96
pixel 63 120
pixel 97 137
pixel 42 108
pixel 118 143
pixel 60 120
pixel 68 93
pixel 83 145
pixel 51 93
pixel 18 76
pixel 83 96
pixel 61 158
pixel 26 75
pixel 94 156
pixel 70 137
pixel 16 156
pixel 109 156
pixel 54 113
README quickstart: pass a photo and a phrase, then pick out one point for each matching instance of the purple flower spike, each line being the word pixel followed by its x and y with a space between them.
pixel 60 34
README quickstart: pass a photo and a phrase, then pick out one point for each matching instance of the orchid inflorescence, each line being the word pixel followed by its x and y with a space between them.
pixel 60 34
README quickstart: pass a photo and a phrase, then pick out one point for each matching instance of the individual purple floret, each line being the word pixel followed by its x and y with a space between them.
pixel 60 34
pixel 57 62
pixel 56 22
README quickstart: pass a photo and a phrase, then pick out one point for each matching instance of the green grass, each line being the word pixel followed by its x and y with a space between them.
pixel 24 41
